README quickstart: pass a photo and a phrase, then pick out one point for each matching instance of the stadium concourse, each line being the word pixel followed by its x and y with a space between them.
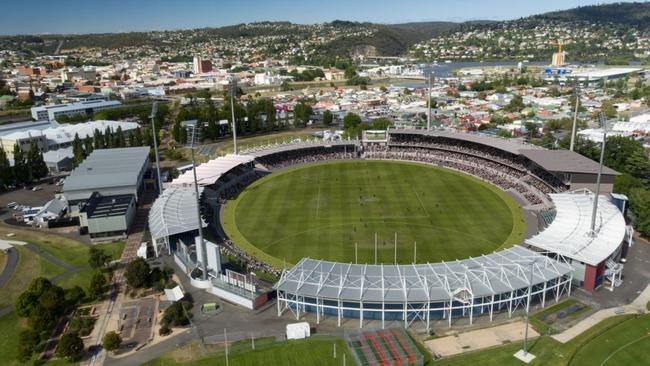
pixel 555 185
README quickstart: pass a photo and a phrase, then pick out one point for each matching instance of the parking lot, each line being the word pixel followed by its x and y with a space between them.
pixel 27 197
pixel 136 321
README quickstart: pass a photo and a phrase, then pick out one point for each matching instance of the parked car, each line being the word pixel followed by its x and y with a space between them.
pixel 37 188
pixel 12 204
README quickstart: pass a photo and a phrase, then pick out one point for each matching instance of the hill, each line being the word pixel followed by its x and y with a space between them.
pixel 635 14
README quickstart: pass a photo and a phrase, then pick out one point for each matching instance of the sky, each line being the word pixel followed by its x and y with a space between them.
pixel 101 16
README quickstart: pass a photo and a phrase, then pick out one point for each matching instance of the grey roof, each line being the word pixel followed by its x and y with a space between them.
pixel 174 212
pixel 565 161
pixel 108 168
pixel 513 146
pixel 108 206
pixel 487 275
pixel 274 149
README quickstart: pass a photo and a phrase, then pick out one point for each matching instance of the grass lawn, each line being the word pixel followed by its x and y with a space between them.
pixel 30 266
pixel 314 352
pixel 590 348
pixel 321 211
pixel 82 278
pixel 67 250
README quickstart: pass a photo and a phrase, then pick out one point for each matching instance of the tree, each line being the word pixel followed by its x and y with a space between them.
pixel 109 138
pixel 88 146
pixel 119 137
pixel 608 109
pixel 301 113
pixel 98 284
pixel 504 133
pixel 638 165
pixel 351 120
pixel 70 346
pixel 35 162
pixel 177 314
pixel 111 341
pixel 28 339
pixel 285 86
pixel 42 304
pixel 515 105
pixel 77 150
pixel 137 273
pixel 6 172
pixel 97 258
pixel 327 118
pixel 21 173
pixel 381 123
pixel 531 128
pixel 98 139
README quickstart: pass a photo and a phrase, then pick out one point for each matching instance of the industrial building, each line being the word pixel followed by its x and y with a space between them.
pixel 107 217
pixel 109 172
pixel 51 112
pixel 50 135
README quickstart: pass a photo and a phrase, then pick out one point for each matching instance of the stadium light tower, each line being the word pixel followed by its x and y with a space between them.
pixel 603 125
pixel 429 103
pixel 232 92
pixel 154 110
pixel 204 255
pixel 523 354
pixel 576 93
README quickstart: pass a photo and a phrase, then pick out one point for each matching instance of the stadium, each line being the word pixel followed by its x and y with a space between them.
pixel 410 225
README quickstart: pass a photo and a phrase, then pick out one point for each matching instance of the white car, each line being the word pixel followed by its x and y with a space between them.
pixel 37 188
pixel 12 204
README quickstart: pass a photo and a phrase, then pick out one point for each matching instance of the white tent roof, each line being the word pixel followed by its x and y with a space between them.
pixel 568 234
pixel 174 212
pixel 208 173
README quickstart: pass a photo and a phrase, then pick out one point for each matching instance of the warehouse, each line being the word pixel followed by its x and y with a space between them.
pixel 109 172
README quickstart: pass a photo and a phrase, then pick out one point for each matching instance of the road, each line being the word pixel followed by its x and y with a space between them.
pixel 12 263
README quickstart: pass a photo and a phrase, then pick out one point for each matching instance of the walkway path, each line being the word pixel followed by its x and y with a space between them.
pixel 116 296
pixel 10 267
pixel 636 307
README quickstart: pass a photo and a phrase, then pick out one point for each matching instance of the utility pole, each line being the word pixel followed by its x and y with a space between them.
pixel 576 93
pixel 355 253
pixel 603 125
pixel 233 95
pixel 204 255
pixel 429 104
pixel 154 110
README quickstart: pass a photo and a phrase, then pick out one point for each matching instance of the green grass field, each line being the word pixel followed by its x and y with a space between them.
pixel 315 351
pixel 321 211
pixel 620 340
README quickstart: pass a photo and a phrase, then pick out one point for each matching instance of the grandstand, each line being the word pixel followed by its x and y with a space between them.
pixel 560 256
pixel 595 256
pixel 422 292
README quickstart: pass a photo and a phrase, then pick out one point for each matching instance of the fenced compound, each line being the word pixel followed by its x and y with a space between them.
pixel 384 347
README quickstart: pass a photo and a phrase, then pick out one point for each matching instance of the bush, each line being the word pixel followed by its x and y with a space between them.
pixel 177 314
pixel 111 341
pixel 165 330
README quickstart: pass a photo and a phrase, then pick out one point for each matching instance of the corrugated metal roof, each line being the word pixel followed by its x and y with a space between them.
pixel 565 161
pixel 487 275
pixel 108 168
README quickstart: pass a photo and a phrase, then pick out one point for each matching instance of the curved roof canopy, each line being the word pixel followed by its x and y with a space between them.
pixel 487 275
pixel 568 234
pixel 208 173
pixel 174 212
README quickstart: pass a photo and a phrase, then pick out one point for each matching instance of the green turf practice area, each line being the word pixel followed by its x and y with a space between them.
pixel 320 211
